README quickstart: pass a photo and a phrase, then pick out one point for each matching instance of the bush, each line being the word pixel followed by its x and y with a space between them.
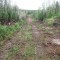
pixel 50 21
pixel 7 31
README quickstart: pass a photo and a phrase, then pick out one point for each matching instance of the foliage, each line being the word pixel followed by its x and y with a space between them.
pixel 49 21
pixel 41 15
pixel 8 13
pixel 30 50
pixel 12 52
pixel 10 20
pixel 6 32
pixel 48 13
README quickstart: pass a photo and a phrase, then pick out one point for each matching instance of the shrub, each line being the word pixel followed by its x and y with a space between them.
pixel 7 31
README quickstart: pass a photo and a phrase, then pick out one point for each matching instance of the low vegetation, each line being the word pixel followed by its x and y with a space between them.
pixel 6 32
pixel 12 52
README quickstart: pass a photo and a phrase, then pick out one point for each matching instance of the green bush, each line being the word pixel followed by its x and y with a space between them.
pixel 7 31
pixel 50 21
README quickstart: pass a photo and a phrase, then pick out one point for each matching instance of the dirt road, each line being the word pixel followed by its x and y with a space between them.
pixel 28 44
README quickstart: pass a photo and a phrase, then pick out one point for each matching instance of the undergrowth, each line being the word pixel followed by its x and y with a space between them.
pixel 6 32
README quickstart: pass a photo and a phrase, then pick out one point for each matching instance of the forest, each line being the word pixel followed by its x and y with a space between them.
pixel 29 34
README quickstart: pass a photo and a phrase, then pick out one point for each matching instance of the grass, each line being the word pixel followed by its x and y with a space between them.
pixel 6 32
pixel 29 50
pixel 12 52
pixel 47 29
pixel 50 21
pixel 26 33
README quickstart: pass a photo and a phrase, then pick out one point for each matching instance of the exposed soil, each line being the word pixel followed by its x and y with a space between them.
pixel 41 38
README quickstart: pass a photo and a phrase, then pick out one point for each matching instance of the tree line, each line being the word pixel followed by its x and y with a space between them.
pixel 49 12
pixel 8 13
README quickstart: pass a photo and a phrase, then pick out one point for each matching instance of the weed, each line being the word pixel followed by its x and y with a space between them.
pixel 29 50
pixel 12 52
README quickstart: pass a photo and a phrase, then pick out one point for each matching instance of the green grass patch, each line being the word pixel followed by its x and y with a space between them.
pixel 28 36
pixel 6 32
pixel 12 52
pixel 26 33
pixel 29 50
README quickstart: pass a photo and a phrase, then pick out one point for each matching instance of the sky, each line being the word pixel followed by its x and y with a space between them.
pixel 32 4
